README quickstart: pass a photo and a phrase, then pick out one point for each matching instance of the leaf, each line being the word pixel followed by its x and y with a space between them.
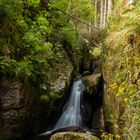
pixel 44 98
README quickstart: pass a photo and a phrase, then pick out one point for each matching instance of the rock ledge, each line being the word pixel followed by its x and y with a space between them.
pixel 73 136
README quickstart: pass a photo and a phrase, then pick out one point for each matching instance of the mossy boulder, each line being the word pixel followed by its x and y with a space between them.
pixel 73 136
pixel 92 82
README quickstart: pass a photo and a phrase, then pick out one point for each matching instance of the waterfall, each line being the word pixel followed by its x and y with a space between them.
pixel 71 115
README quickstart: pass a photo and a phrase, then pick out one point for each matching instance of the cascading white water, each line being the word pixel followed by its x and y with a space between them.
pixel 72 114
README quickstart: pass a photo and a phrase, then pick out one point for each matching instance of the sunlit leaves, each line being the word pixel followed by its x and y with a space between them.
pixel 24 68
pixel 96 52
pixel 42 21
pixel 113 86
pixel 45 47
pixel 33 3
pixel 66 10
pixel 43 25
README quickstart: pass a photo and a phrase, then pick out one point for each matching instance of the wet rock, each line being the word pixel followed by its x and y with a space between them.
pixel 64 129
pixel 98 125
pixel 73 136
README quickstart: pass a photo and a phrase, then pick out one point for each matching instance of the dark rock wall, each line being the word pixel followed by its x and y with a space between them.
pixel 92 109
pixel 12 103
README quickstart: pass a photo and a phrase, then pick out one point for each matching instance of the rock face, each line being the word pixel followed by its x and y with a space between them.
pixel 98 125
pixel 11 106
pixel 92 110
pixel 22 112
pixel 73 136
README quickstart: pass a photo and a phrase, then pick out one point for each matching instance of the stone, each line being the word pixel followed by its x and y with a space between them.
pixel 11 95
pixel 98 125
pixel 11 106
pixel 69 129
pixel 92 82
pixel 72 136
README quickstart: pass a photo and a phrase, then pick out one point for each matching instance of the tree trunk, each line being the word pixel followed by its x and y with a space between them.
pixel 44 3
pixel 102 13
pixel 96 13
pixel 109 7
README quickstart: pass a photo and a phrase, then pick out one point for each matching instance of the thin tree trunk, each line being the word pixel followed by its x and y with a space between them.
pixel 102 13
pixel 109 6
pixel 96 13
pixel 104 17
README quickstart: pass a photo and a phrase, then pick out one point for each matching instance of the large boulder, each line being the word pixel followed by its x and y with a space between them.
pixel 73 136
pixel 92 82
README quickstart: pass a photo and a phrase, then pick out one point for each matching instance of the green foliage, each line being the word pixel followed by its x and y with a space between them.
pixel 33 3
pixel 10 8
pixel 69 35
pixel 33 39
pixel 96 42
pixel 26 53
pixel 96 52
pixel 22 24
pixel 44 98
pixel 7 66
pixel 65 10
